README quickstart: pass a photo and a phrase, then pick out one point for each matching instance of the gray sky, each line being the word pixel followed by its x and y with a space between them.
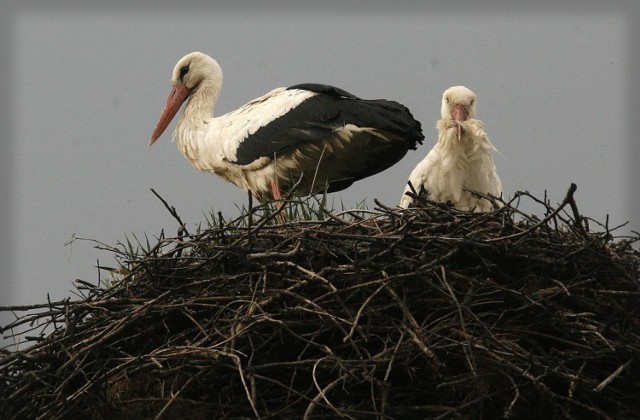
pixel 83 85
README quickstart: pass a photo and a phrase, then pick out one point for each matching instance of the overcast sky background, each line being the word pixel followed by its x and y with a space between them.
pixel 83 84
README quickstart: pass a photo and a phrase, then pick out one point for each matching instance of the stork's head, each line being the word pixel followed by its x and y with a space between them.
pixel 193 68
pixel 189 73
pixel 458 103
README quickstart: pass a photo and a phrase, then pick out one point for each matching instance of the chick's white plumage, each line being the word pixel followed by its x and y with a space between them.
pixel 460 159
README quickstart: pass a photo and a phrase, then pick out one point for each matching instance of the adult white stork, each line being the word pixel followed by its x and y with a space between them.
pixel 460 159
pixel 310 135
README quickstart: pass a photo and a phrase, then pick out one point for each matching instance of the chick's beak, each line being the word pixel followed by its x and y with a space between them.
pixel 459 113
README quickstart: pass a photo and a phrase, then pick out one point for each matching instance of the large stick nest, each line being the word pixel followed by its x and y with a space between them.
pixel 421 313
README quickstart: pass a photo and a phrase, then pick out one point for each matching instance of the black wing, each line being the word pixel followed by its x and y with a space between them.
pixel 319 115
pixel 324 89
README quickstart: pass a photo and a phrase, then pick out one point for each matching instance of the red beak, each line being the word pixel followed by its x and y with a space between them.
pixel 178 95
pixel 459 113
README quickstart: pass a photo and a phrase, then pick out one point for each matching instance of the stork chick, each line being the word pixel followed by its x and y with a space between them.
pixel 460 159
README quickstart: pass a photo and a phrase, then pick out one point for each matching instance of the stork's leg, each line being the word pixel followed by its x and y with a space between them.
pixel 275 190
pixel 277 195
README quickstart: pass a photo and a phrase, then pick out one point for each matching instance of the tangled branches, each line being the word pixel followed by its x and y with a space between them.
pixel 420 313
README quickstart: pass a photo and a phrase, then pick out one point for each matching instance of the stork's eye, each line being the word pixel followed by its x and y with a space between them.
pixel 471 103
pixel 184 70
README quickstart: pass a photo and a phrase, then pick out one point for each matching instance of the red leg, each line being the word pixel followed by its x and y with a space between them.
pixel 277 195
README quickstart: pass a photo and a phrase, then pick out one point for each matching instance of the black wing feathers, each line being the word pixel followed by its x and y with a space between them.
pixel 319 115
pixel 324 89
